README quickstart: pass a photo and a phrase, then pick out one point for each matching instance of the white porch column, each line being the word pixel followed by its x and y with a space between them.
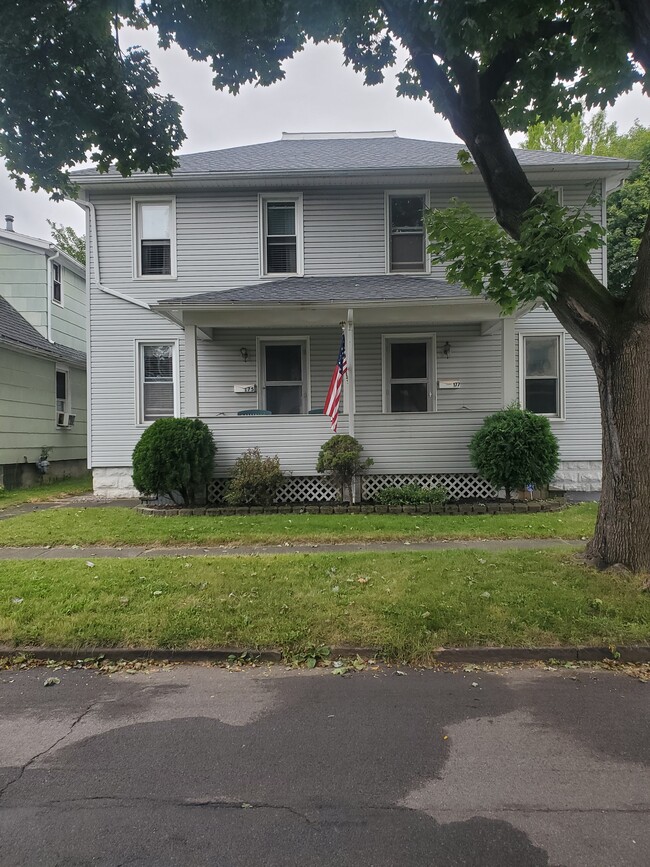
pixel 508 346
pixel 190 380
pixel 350 392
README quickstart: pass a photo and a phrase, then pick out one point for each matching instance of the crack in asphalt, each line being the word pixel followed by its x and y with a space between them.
pixel 127 801
pixel 44 752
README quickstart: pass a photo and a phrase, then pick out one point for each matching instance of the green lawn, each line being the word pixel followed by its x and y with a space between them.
pixel 407 604
pixel 116 526
pixel 47 490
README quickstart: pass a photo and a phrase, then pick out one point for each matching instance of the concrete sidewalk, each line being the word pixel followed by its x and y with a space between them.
pixel 90 551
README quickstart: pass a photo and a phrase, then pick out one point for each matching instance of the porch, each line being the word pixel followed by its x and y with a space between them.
pixel 426 364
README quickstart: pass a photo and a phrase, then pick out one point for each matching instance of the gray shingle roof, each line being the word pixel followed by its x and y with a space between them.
pixel 319 290
pixel 345 154
pixel 17 333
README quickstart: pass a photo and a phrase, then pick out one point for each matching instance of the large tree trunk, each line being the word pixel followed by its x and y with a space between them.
pixel 623 526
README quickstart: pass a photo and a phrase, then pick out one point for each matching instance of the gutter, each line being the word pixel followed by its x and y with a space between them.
pixel 92 228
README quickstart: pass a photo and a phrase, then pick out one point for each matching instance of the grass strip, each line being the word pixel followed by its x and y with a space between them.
pixel 47 490
pixel 409 604
pixel 117 526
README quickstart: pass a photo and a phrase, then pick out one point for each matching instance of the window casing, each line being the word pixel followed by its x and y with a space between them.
pixel 406 242
pixel 154 238
pixel 409 373
pixel 62 390
pixel 542 374
pixel 57 286
pixel 281 235
pixel 284 374
pixel 157 381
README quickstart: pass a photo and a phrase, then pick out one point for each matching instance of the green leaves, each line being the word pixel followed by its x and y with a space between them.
pixel 483 258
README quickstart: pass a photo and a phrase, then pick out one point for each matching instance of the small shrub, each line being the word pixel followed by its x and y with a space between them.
pixel 340 458
pixel 255 481
pixel 515 448
pixel 174 456
pixel 412 495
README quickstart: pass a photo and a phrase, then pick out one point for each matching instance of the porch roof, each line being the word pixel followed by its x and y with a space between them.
pixel 324 290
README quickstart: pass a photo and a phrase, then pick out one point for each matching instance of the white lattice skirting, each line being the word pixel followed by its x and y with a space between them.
pixel 316 489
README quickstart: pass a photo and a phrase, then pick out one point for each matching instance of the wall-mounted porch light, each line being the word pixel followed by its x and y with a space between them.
pixel 446 349
pixel 244 353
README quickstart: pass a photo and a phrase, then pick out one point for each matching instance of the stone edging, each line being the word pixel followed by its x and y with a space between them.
pixel 451 655
pixel 365 509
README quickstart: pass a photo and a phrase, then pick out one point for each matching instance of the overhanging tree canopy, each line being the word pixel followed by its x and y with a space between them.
pixel 486 66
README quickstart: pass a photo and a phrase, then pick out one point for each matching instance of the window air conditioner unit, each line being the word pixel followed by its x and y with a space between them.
pixel 65 419
pixel 71 419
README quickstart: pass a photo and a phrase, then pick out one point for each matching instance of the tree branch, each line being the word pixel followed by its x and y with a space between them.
pixel 496 73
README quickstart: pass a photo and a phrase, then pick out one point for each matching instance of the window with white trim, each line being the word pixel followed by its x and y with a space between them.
pixel 154 238
pixel 284 376
pixel 57 289
pixel 542 366
pixel 406 234
pixel 62 390
pixel 282 235
pixel 408 373
pixel 156 381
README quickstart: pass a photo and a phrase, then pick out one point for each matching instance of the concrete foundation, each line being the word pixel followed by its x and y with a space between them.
pixel 578 476
pixel 26 475
pixel 114 483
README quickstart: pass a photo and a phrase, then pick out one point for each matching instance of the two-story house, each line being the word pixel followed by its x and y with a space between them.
pixel 220 292
pixel 42 360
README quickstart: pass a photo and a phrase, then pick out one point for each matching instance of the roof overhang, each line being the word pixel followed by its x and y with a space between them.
pixel 324 314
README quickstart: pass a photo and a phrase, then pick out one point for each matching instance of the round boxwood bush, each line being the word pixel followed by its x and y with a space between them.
pixel 340 457
pixel 515 448
pixel 174 456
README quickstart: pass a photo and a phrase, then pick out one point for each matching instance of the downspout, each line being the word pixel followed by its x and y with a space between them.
pixel 92 233
pixel 50 287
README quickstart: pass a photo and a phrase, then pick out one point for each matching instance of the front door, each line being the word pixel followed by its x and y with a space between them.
pixel 284 388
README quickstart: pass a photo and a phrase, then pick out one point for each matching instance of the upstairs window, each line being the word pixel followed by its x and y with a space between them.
pixel 542 374
pixel 57 290
pixel 407 247
pixel 155 238
pixel 157 381
pixel 282 237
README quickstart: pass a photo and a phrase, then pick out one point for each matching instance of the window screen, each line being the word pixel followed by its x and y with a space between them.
pixel 284 380
pixel 281 238
pixel 157 381
pixel 154 230
pixel 57 293
pixel 410 378
pixel 61 391
pixel 541 375
pixel 407 237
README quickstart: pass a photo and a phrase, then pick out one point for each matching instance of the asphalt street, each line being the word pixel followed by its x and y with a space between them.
pixel 198 765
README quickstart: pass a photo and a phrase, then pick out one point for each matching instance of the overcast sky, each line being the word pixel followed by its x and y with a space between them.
pixel 318 94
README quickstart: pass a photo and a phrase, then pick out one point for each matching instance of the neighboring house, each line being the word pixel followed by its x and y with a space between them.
pixel 223 288
pixel 42 360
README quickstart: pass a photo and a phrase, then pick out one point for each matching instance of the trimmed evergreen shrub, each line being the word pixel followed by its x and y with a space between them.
pixel 340 458
pixel 412 495
pixel 515 448
pixel 174 456
pixel 255 480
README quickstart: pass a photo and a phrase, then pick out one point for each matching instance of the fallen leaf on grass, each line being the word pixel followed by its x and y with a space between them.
pixel 90 564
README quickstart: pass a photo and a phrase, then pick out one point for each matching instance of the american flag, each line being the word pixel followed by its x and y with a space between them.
pixel 333 398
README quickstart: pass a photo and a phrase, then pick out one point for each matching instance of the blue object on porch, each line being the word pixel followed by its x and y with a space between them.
pixel 317 411
pixel 254 412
